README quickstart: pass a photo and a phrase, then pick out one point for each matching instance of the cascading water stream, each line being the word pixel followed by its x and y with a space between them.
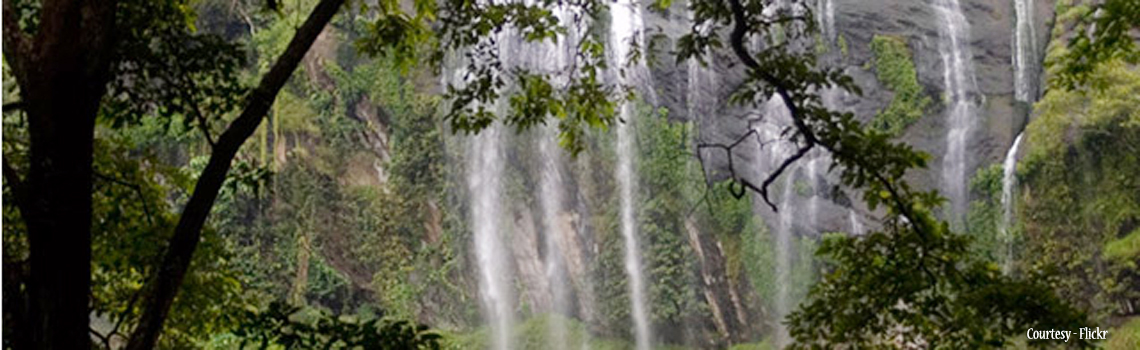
pixel 960 87
pixel 550 57
pixel 853 220
pixel 775 112
pixel 701 79
pixel 784 258
pixel 484 174
pixel 552 188
pixel 1008 181
pixel 813 180
pixel 1024 52
pixel 485 171
pixel 825 15
pixel 633 269
pixel 625 28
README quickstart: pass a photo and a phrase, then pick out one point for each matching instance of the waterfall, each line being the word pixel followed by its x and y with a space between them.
pixel 853 220
pixel 1024 52
pixel 775 114
pixel 960 86
pixel 825 15
pixel 701 78
pixel 1008 181
pixel 784 250
pixel 626 183
pixel 625 28
pixel 484 179
pixel 552 189
pixel 813 178
pixel 550 57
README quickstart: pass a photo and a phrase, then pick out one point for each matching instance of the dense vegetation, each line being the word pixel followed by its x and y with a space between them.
pixel 343 222
pixel 1080 205
pixel 895 69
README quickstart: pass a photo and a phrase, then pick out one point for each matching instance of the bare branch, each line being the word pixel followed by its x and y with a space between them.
pixel 783 167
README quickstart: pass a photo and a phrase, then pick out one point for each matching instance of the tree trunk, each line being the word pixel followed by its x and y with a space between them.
pixel 62 72
pixel 188 232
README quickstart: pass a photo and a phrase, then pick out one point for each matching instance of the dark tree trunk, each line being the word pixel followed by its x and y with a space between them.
pixel 189 229
pixel 59 227
pixel 62 73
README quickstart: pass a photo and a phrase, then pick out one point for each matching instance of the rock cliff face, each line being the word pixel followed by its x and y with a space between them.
pixel 991 42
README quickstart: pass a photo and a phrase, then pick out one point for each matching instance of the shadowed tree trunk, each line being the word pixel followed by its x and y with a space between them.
pixel 62 73
pixel 189 229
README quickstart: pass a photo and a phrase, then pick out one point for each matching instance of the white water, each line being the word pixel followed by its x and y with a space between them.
pixel 825 15
pixel 625 28
pixel 626 184
pixel 550 57
pixel 1008 181
pixel 853 220
pixel 552 188
pixel 702 82
pixel 784 255
pixel 774 151
pixel 960 86
pixel 1024 52
pixel 813 176
pixel 484 175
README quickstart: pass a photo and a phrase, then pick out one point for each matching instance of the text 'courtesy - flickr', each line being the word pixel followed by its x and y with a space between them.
pixel 1083 333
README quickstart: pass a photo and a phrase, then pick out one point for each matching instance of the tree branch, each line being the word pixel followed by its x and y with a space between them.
pixel 106 340
pixel 189 229
pixel 13 106
pixel 202 124
pixel 768 180
pixel 739 31
pixel 17 44
pixel 19 189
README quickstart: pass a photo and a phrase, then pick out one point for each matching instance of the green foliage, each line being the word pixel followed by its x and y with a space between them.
pixel 1124 249
pixel 896 71
pixel 1114 22
pixel 668 183
pixel 162 68
pixel 944 300
pixel 1081 195
pixel 1124 337
pixel 134 196
pixel 764 345
pixel 289 327
pixel 391 32
pixel 532 334
pixel 734 223
pixel 985 216
pixel 759 255
pixel 585 100
pixel 611 283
